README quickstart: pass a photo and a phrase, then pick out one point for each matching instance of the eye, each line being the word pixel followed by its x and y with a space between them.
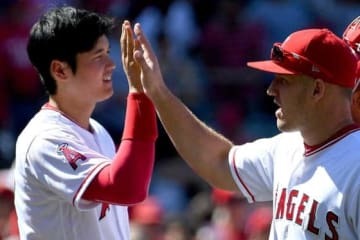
pixel 283 81
pixel 280 80
pixel 99 57
pixel 103 55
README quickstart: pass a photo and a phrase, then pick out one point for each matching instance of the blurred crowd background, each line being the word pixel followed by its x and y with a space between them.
pixel 203 47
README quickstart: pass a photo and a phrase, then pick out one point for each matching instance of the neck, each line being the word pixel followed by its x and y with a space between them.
pixel 321 133
pixel 79 113
pixel 327 116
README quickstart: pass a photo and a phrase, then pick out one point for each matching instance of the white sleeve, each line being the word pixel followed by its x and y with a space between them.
pixel 64 164
pixel 252 167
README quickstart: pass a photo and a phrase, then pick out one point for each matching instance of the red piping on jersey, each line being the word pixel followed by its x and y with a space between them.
pixel 101 165
pixel 309 150
pixel 50 107
pixel 241 181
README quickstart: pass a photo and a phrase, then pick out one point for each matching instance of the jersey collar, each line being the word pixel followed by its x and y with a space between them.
pixel 48 106
pixel 309 150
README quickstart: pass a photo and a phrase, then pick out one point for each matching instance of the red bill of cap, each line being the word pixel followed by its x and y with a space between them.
pixel 318 53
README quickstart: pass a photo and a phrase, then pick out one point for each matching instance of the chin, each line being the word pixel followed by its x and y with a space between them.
pixel 106 96
pixel 283 126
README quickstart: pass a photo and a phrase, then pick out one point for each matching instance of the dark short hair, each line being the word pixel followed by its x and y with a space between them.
pixel 62 33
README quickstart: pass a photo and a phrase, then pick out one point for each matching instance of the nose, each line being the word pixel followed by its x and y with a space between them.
pixel 111 64
pixel 270 91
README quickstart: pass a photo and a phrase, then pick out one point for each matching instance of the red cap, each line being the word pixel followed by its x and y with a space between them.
pixel 318 53
pixel 352 34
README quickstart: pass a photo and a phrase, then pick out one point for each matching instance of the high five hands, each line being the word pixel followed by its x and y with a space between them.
pixel 139 61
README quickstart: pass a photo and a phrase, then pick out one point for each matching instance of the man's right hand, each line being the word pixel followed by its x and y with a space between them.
pixel 131 67
pixel 151 77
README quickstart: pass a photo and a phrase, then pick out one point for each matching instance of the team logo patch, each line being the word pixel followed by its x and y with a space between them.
pixel 70 155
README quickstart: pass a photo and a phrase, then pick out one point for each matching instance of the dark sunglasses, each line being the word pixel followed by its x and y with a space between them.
pixel 297 62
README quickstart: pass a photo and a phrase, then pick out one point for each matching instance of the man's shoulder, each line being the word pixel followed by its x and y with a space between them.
pixel 44 121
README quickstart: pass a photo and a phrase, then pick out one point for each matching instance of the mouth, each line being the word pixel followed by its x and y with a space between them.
pixel 276 102
pixel 278 113
pixel 107 78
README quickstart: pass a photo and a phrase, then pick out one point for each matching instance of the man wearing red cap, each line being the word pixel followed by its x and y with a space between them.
pixel 310 171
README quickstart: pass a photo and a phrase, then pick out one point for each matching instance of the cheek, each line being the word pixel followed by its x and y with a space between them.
pixel 294 99
pixel 95 69
pixel 92 73
pixel 295 106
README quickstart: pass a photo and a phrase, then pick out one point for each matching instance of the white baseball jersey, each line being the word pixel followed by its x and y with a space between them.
pixel 315 191
pixel 55 161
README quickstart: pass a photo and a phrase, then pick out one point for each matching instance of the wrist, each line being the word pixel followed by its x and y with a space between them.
pixel 140 119
pixel 135 90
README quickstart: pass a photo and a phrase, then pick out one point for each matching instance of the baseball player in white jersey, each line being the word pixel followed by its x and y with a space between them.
pixel 70 181
pixel 310 171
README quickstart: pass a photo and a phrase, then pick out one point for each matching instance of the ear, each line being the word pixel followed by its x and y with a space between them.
pixel 355 99
pixel 59 70
pixel 355 106
pixel 318 88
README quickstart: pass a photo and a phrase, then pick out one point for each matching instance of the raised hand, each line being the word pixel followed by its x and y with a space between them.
pixel 131 67
pixel 144 55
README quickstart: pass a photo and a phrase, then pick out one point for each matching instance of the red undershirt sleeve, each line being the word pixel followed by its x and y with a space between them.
pixel 126 181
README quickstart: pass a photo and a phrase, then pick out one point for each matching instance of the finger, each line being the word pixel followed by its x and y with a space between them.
pixel 137 46
pixel 145 44
pixel 137 54
pixel 139 58
pixel 123 43
pixel 129 41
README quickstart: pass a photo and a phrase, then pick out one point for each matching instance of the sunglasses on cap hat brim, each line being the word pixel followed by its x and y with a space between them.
pixel 286 62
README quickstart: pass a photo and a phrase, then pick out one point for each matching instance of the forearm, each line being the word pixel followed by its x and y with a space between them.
pixel 205 150
pixel 127 179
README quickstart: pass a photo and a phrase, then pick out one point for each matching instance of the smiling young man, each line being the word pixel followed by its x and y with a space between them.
pixel 310 171
pixel 70 181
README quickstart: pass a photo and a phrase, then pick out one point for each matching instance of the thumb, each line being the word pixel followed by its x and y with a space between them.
pixel 139 58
